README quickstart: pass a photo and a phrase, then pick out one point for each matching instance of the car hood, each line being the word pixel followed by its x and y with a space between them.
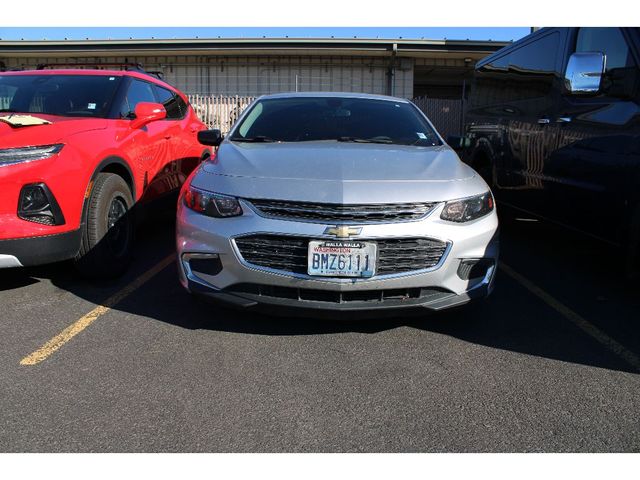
pixel 57 130
pixel 336 172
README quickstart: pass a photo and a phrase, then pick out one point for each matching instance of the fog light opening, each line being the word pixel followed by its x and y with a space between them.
pixel 202 263
pixel 37 204
pixel 477 268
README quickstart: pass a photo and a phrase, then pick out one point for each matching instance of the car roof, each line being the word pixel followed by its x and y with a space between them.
pixel 93 71
pixel 334 95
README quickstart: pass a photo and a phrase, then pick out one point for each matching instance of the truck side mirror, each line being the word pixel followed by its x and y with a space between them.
pixel 584 73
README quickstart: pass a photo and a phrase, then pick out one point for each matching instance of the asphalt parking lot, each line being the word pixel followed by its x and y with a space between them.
pixel 550 362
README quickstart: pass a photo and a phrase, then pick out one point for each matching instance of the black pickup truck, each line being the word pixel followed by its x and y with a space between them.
pixel 553 125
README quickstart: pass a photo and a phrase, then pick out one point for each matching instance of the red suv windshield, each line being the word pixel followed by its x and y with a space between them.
pixel 64 95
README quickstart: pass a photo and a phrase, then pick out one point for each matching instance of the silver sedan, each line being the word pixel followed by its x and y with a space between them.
pixel 336 202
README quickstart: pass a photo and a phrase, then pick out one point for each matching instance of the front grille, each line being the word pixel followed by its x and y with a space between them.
pixel 336 213
pixel 289 254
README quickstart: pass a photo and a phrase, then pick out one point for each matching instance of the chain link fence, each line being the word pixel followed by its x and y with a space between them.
pixel 446 115
pixel 222 111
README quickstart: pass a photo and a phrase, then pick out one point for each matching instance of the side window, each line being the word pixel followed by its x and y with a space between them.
pixel 608 41
pixel 488 85
pixel 525 73
pixel 184 107
pixel 621 73
pixel 532 69
pixel 170 102
pixel 139 91
pixel 537 58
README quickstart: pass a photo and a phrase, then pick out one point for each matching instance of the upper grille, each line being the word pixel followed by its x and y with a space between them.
pixel 337 212
pixel 289 254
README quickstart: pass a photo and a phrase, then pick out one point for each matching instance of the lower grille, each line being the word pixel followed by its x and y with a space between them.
pixel 387 296
pixel 289 254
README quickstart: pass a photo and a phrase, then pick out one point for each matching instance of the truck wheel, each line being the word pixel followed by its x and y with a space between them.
pixel 107 235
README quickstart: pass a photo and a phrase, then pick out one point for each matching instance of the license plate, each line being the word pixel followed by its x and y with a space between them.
pixel 341 258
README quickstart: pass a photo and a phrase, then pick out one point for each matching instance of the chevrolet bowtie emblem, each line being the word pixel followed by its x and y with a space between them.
pixel 342 231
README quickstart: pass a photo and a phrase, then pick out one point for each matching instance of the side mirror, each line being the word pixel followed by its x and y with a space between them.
pixel 210 137
pixel 458 143
pixel 584 73
pixel 147 112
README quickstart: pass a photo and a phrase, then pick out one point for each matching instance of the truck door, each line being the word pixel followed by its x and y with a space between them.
pixel 593 170
pixel 530 104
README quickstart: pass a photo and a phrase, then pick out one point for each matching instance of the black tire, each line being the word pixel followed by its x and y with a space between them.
pixel 107 235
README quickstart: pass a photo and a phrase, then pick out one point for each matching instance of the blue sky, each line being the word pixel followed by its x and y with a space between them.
pixel 80 33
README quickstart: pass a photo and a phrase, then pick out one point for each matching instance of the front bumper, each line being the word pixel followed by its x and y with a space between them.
pixel 29 251
pixel 241 284
pixel 431 300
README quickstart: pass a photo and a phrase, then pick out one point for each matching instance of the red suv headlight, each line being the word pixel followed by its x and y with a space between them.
pixel 10 156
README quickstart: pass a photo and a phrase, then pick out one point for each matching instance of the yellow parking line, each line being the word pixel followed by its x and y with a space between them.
pixel 584 325
pixel 75 328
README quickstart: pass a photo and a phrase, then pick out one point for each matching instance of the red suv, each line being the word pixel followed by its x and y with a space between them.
pixel 79 149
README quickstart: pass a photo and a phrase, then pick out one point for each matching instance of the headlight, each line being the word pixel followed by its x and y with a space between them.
pixel 211 204
pixel 10 156
pixel 467 209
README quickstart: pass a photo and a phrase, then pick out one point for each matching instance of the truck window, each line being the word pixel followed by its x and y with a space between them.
pixel 608 41
pixel 621 72
pixel 532 68
pixel 524 73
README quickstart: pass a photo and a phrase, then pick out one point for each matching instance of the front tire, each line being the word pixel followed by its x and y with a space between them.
pixel 107 234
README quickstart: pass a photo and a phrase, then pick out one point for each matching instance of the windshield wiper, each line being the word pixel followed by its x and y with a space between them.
pixel 365 140
pixel 256 139
pixel 8 110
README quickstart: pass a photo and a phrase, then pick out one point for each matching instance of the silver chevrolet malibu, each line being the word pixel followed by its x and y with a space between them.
pixel 335 202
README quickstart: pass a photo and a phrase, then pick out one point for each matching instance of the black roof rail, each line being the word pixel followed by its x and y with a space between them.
pixel 124 65
pixel 156 73
pixel 136 67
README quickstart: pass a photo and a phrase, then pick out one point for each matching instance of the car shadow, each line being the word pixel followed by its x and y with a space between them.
pixel 569 268
pixel 13 279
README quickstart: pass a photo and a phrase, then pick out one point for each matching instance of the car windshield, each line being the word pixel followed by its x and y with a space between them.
pixel 345 119
pixel 65 95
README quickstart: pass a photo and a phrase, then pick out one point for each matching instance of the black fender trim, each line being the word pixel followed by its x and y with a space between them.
pixel 120 161
pixel 99 168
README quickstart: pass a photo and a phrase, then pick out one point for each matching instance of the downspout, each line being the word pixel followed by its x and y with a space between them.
pixel 391 72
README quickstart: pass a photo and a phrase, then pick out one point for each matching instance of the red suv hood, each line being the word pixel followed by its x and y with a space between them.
pixel 57 130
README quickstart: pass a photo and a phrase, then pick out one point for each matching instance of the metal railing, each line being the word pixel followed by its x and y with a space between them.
pixel 219 111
